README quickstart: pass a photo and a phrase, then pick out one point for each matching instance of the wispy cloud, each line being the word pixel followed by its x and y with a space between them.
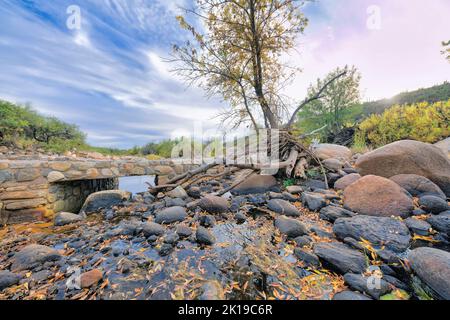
pixel 109 78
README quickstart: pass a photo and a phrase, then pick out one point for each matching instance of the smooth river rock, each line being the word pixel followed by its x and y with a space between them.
pixel 32 256
pixel 283 207
pixel 104 199
pixel 340 257
pixel 417 185
pixel 171 215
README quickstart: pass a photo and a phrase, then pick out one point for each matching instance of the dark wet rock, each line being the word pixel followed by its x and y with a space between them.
pixel 178 192
pixel 289 197
pixel 33 255
pixel 332 213
pixel 171 238
pixel 303 241
pixel 321 232
pixel 203 236
pixel 391 199
pixel 170 215
pixel 125 228
pixel 417 185
pixel 408 157
pixel 8 279
pixel 379 231
pixel 441 222
pixel 395 282
pixel 418 212
pixel 433 204
pixel 345 181
pixel 207 221
pixel 256 184
pixel 387 270
pixel 237 202
pixel 275 195
pixel 257 199
pixel 64 218
pixel 350 170
pixel 313 202
pixel 340 257
pixel 105 200
pixel 388 256
pixel 165 249
pixel 294 189
pixel 214 204
pixel 290 227
pixel 91 278
pixel 350 295
pixel 194 192
pixel 174 202
pixel 333 177
pixel 315 184
pixel 283 207
pixel 432 266
pixel 184 231
pixel 308 258
pixel 240 217
pixel 366 285
pixel 354 243
pixel 212 290
pixel 417 226
pixel 152 229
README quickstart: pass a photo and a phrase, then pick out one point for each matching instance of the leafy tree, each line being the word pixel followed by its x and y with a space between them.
pixel 238 55
pixel 446 51
pixel 339 103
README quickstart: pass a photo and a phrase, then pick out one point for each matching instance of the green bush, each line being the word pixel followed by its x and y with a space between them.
pixel 421 121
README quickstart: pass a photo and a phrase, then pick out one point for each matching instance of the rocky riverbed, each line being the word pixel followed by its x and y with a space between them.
pixel 368 237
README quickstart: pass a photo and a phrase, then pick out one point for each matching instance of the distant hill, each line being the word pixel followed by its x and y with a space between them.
pixel 431 95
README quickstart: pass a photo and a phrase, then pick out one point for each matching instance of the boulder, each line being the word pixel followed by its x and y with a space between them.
pixel 214 204
pixel 64 218
pixel 377 196
pixel 441 222
pixel 379 231
pixel 434 205
pixel 294 189
pixel 340 257
pixel 256 184
pixel 408 157
pixel 8 279
pixel 171 215
pixel 313 201
pixel 308 258
pixel 104 200
pixel 283 207
pixel 347 180
pixel 350 295
pixel 326 151
pixel 333 164
pixel 418 185
pixel 432 266
pixel 183 231
pixel 290 227
pixel 367 285
pixel 332 213
pixel 444 145
pixel 32 256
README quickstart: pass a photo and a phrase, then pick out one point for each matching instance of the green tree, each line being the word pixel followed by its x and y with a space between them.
pixel 338 104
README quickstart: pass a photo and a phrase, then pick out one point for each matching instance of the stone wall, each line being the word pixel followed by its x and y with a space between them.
pixel 37 189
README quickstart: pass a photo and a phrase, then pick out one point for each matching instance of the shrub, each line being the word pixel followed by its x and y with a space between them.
pixel 421 121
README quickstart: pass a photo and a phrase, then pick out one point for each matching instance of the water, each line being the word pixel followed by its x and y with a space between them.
pixel 136 184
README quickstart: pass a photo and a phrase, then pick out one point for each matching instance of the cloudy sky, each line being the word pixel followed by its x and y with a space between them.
pixel 108 77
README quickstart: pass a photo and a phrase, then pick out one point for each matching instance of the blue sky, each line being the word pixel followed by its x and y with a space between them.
pixel 109 79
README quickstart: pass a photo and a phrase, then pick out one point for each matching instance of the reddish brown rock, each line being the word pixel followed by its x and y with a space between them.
pixel 90 278
pixel 377 196
pixel 347 180
pixel 408 157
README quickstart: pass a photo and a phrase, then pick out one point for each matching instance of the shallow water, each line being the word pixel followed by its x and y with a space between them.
pixel 136 184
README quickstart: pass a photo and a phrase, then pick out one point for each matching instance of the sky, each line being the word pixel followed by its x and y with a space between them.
pixel 109 76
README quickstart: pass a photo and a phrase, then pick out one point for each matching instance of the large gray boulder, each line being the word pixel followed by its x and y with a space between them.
pixel 377 196
pixel 432 266
pixel 379 231
pixel 214 204
pixel 408 157
pixel 104 199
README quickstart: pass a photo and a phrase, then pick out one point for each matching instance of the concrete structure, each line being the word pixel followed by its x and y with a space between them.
pixel 32 190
